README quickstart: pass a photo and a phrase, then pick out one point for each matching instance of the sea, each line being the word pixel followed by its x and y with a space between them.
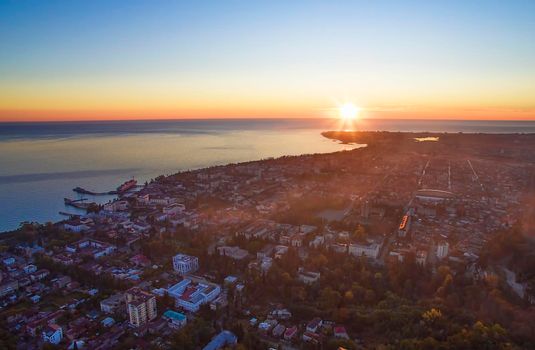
pixel 40 163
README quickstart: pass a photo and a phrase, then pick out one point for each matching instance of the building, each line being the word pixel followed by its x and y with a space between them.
pixel 432 195
pixel 174 209
pixel 265 252
pixel 53 334
pixel 296 241
pixel 61 282
pixel 317 241
pixel 8 287
pixel 117 205
pixel 141 306
pixel 230 280
pixel 112 304
pixel 370 250
pixel 340 332
pixel 190 295
pixel 175 319
pixel 290 333
pixel 308 277
pixel 92 247
pixel 280 251
pixel 421 257
pixel 265 264
pixel 442 250
pixel 75 225
pixel 235 253
pixel 107 322
pixel 220 302
pixel 278 331
pixel 221 340
pixel 314 325
pixel 184 264
pixel 30 269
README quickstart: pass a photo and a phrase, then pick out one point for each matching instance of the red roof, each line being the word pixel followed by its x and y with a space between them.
pixel 339 330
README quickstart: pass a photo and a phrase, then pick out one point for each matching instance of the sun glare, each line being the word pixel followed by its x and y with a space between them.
pixel 348 111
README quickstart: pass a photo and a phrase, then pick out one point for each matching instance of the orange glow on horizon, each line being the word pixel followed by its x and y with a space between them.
pixel 36 115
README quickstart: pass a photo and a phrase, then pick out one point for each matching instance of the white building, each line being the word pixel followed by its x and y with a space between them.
pixel 92 247
pixel 442 250
pixel 265 264
pixel 190 296
pixel 308 277
pixel 52 334
pixel 370 250
pixel 184 264
pixel 75 226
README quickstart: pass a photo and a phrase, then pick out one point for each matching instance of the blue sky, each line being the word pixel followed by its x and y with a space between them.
pixel 272 56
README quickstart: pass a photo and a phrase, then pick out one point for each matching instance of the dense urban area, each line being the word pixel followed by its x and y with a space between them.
pixel 417 241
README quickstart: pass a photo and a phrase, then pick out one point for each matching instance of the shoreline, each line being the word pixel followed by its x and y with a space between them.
pixel 363 139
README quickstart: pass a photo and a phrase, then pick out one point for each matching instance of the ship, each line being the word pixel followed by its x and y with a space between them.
pixel 127 186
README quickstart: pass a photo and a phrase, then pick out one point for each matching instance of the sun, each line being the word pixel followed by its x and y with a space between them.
pixel 348 111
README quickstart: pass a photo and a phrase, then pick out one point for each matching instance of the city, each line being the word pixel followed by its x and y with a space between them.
pixel 377 247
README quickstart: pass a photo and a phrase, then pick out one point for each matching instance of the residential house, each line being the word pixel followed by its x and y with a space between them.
pixel 52 333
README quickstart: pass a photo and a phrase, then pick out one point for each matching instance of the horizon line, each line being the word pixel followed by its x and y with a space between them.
pixel 248 118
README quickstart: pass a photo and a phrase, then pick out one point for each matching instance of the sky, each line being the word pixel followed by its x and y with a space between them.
pixel 92 60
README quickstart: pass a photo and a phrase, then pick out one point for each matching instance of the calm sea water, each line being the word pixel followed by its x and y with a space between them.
pixel 40 163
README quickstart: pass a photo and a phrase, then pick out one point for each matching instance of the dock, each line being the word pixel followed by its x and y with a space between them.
pixel 77 203
pixel 91 193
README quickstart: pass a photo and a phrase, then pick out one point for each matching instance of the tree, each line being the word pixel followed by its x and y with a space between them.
pixel 329 298
pixel 360 234
pixel 432 316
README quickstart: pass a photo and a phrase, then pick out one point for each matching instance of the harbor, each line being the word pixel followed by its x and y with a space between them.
pixel 126 186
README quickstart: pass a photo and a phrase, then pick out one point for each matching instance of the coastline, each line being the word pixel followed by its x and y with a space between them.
pixel 233 150
pixel 472 142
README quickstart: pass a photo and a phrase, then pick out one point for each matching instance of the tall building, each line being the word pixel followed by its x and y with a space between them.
pixel 442 250
pixel 141 306
pixel 184 264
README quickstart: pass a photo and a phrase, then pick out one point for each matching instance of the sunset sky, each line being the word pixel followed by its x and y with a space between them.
pixel 74 60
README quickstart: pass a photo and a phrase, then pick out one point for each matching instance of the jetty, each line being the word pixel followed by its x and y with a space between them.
pixel 91 193
pixel 77 203
pixel 69 214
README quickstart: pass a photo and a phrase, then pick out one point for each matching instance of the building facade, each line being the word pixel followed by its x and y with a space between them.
pixel 442 250
pixel 367 250
pixel 191 295
pixel 52 334
pixel 184 264
pixel 141 306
